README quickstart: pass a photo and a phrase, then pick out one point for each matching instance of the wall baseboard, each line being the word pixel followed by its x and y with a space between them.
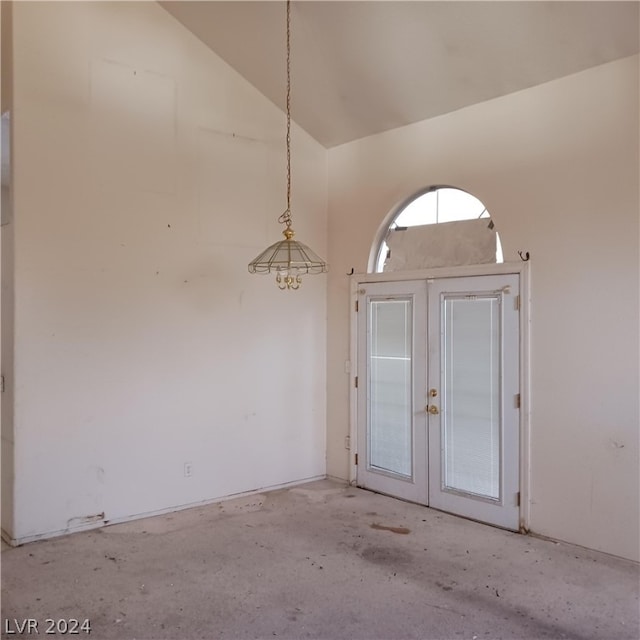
pixel 97 524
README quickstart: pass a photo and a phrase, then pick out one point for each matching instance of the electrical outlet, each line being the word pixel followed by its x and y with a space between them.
pixel 188 469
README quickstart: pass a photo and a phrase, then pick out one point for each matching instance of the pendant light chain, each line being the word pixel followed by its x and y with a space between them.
pixel 285 218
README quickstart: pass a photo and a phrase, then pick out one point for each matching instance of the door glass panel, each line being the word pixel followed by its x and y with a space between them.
pixel 471 396
pixel 390 385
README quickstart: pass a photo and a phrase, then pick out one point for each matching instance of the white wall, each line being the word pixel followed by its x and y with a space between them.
pixel 147 175
pixel 557 167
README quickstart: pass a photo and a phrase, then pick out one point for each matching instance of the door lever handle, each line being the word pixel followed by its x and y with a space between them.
pixel 433 410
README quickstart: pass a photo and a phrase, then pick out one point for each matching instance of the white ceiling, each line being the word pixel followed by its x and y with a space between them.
pixel 363 67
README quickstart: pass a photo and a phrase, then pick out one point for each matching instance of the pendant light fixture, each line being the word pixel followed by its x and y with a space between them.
pixel 288 259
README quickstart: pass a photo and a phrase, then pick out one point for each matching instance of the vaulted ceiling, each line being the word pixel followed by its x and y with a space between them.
pixel 363 67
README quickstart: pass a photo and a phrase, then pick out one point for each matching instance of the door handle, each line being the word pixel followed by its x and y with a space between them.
pixel 433 410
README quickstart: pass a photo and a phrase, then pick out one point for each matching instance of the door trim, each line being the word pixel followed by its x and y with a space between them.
pixel 523 270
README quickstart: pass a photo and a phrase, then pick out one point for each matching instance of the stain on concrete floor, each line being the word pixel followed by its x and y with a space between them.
pixel 382 527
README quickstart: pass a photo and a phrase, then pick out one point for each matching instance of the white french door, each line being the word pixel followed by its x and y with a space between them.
pixel 393 435
pixel 438 394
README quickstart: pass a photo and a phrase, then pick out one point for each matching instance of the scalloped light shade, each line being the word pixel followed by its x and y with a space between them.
pixel 289 259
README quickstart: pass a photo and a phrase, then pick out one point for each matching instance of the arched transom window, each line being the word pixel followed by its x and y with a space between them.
pixel 440 227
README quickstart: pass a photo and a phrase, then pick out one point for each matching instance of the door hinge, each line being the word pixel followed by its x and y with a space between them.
pixel 1 384
pixel 518 499
pixel 355 382
pixel 356 459
pixel 357 306
pixel 516 303
pixel 517 400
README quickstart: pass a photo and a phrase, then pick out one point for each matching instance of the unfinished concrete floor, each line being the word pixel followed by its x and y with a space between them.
pixel 321 560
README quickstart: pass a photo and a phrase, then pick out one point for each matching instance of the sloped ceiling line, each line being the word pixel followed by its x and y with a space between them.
pixel 363 67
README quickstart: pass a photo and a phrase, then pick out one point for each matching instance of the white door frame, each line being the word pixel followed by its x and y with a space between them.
pixel 523 270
